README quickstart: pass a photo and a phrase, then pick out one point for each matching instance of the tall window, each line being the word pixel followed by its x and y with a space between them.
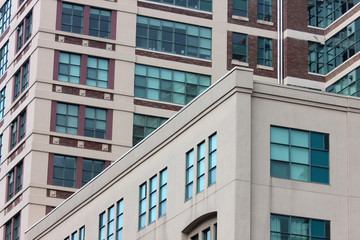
pixel 289 227
pixel 12 228
pixel 173 37
pixel 3 58
pixel 74 236
pixel 24 31
pixel 142 206
pixel 91 168
pixel 1 144
pixel 119 219
pixel 5 15
pixel 97 72
pixel 111 223
pixel 152 199
pixel 265 52
pixel 206 234
pixel 17 129
pixel 265 10
pixel 212 159
pixel 100 23
pixel 64 171
pixel 204 5
pixel 21 79
pixel 82 233
pixel 144 125
pixel 102 223
pixel 72 18
pixel 189 174
pixel 316 58
pixel 2 102
pixel 95 122
pixel 162 192
pixel 168 85
pixel 67 118
pixel 240 8
pixel 200 167
pixel 15 180
pixel 240 47
pixel 69 67
pixel 299 155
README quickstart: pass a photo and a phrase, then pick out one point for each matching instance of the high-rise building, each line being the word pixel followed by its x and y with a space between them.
pixel 81 82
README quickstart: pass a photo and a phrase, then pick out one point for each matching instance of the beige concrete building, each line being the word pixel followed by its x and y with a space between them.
pixel 245 160
pixel 81 82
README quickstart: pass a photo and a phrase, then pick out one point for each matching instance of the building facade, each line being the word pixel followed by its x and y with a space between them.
pixel 83 82
pixel 245 160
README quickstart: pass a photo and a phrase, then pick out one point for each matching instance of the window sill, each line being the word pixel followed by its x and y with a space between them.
pixel 238 63
pixel 246 19
pixel 265 67
pixel 265 22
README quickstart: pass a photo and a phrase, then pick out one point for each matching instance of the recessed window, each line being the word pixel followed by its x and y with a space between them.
pixel 142 206
pixel 162 192
pixel 24 31
pixel 72 18
pixel 212 159
pixel 12 228
pixel 265 10
pixel 200 167
pixel 21 79
pixel 74 236
pixel 119 219
pixel 91 168
pixel 144 125
pixel 173 37
pixel 204 5
pixel 69 67
pixel 189 182
pixel 265 57
pixel 240 8
pixel 5 15
pixel 240 47
pixel 102 223
pixel 95 122
pixel 2 102
pixel 64 171
pixel 299 155
pixel 82 233
pixel 152 199
pixel 3 58
pixel 111 223
pixel 67 118
pixel 15 180
pixel 100 23
pixel 97 72
pixel 17 129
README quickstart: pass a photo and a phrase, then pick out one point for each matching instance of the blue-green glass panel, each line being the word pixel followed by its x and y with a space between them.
pixel 299 155
pixel 317 140
pixel 299 138
pixel 317 228
pixel 279 152
pixel 279 135
pixel 280 169
pixel 320 158
pixel 320 175
pixel 279 223
pixel 299 172
pixel 300 226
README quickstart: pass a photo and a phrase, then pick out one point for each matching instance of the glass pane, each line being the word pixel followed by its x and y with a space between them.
pixel 300 226
pixel 279 135
pixel 320 158
pixel 279 152
pixel 299 138
pixel 280 169
pixel 317 228
pixel 320 175
pixel 299 172
pixel 317 140
pixel 299 155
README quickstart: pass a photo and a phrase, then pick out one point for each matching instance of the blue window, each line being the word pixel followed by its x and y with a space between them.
pixel 72 18
pixel 100 23
pixel 119 219
pixel 265 57
pixel 265 10
pixel 240 8
pixel 162 192
pixel 144 125
pixel 299 155
pixel 347 85
pixel 111 223
pixel 2 102
pixel 102 223
pixel 212 159
pixel 240 47
pixel 152 199
pixel 189 174
pixel 200 167
pixel 142 206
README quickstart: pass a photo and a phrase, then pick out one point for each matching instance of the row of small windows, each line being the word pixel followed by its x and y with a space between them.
pixel 240 8
pixel 346 43
pixel 347 85
pixel 204 5
pixel 77 235
pixel 111 225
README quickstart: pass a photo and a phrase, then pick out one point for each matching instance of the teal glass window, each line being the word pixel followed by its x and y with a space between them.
pixel 91 168
pixel 72 18
pixel 142 206
pixel 143 125
pixel 102 223
pixel 212 159
pixel 111 223
pixel 347 85
pixel 2 102
pixel 17 129
pixel 67 118
pixel 265 10
pixel 64 171
pixel 12 228
pixel 162 192
pixel 4 58
pixel 74 236
pixel 189 181
pixel 21 80
pixel 265 56
pixel 152 199
pixel 289 227
pixel 240 47
pixel 200 167
pixel 168 85
pixel 119 219
pixel 95 122
pixel 5 15
pixel 82 233
pixel 299 155
pixel 97 72
pixel 173 37
pixel 316 58
pixel 204 5
pixel 69 67
pixel 100 23
pixel 24 31
pixel 240 8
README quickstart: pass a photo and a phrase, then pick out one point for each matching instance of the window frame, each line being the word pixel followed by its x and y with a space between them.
pixel 71 15
pixel 236 53
pixel 119 219
pixel 240 10
pixel 265 46
pixel 110 223
pixel 21 80
pixel 100 22
pixel 102 225
pixel 65 168
pixel 211 153
pixel 200 174
pixel 2 102
pixel 162 192
pixel 144 128
pixel 201 5
pixel 5 12
pixel 261 14
pixel 17 129
pixel 23 31
pixel 189 180
pixel 4 58
pixel 142 202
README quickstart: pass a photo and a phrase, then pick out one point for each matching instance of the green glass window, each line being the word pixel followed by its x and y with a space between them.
pixel 2 102
pixel 173 37
pixel 100 23
pixel 91 168
pixel 97 72
pixel 4 58
pixel 240 47
pixel 162 192
pixel 212 159
pixel 240 8
pixel 152 199
pixel 289 227
pixel 102 223
pixel 200 167
pixel 69 67
pixel 142 206
pixel 168 85
pixel 315 58
pixel 5 15
pixel 204 5
pixel 265 52
pixel 64 171
pixel 347 85
pixel 72 18
pixel 143 125
pixel 95 122
pixel 67 118
pixel 265 10
pixel 119 219
pixel 189 174
pixel 111 223
pixel 299 155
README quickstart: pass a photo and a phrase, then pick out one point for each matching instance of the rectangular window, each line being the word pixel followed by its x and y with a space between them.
pixel 265 52
pixel 265 10
pixel 24 31
pixel 142 206
pixel 97 72
pixel 195 237
pixel 67 118
pixel 102 223
pixel 289 227
pixel 82 233
pixel 240 47
pixel 12 228
pixel 168 85
pixel 91 168
pixel 17 129
pixel 1 144
pixel 119 219
pixel 143 125
pixel 95 122
pixel 212 159
pixel 5 15
pixel 100 23
pixel 316 58
pixel 206 234
pixel 240 8
pixel 72 18
pixel 200 167
pixel 14 133
pixel 111 223
pixel 74 236
pixel 2 103
pixel 64 171
pixel 22 125
pixel 21 80
pixel 299 155
pixel 152 199
pixel 347 85
pixel 4 58
pixel 189 174
pixel 69 67
pixel 204 5
pixel 173 37
pixel 162 192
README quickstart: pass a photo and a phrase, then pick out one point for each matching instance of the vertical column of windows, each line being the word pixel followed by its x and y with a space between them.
pixel 17 129
pixel 119 219
pixel 152 199
pixel 200 167
pixel 142 206
pixel 162 192
pixel 102 223
pixel 111 223
pixel 12 228
pixel 212 159
pixel 5 15
pixel 189 174
pixel 24 31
